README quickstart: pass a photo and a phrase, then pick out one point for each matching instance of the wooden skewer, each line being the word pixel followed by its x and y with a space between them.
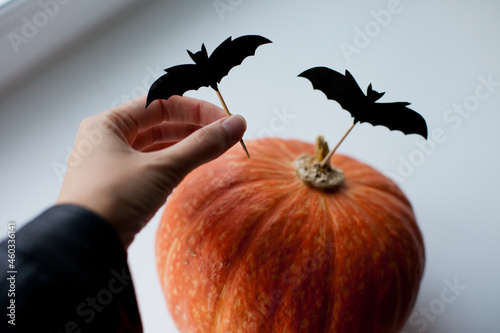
pixel 327 157
pixel 229 114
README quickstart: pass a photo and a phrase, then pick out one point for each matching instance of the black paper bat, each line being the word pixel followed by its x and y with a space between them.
pixel 206 71
pixel 345 90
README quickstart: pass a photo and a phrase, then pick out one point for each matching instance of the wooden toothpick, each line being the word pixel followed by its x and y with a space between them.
pixel 327 157
pixel 229 114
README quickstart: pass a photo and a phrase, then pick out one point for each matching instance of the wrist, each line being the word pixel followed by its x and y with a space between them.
pixel 101 209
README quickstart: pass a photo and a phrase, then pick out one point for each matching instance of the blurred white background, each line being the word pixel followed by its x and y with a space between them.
pixel 442 56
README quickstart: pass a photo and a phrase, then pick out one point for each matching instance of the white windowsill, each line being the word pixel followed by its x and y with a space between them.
pixel 33 31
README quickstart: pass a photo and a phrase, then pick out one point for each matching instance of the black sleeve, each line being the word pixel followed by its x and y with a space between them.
pixel 72 276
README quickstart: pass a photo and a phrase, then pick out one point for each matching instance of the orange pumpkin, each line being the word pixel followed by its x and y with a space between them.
pixel 244 245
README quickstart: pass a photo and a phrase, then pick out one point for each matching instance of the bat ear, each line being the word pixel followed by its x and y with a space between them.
pixel 199 56
pixel 372 94
pixel 191 55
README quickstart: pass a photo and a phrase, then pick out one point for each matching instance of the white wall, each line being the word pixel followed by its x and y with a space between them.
pixel 434 55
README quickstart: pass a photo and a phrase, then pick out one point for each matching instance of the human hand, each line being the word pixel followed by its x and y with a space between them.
pixel 128 159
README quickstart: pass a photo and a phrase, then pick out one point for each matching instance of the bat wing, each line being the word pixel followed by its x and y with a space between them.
pixel 395 116
pixel 231 53
pixel 177 81
pixel 340 88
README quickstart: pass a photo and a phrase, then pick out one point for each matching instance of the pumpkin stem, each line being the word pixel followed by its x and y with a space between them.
pixel 311 171
pixel 321 149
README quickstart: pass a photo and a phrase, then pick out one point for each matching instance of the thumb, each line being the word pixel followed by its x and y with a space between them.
pixel 204 145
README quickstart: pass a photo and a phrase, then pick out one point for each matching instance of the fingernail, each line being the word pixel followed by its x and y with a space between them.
pixel 235 126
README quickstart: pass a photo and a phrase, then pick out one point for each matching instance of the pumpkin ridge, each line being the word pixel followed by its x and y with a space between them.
pixel 404 206
pixel 292 154
pixel 365 176
pixel 410 230
pixel 380 229
pixel 344 204
pixel 307 224
pixel 335 304
pixel 243 250
pixel 287 201
pixel 332 270
pixel 390 325
pixel 394 192
pixel 281 164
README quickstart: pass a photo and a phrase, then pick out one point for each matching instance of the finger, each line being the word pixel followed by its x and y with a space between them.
pixel 203 145
pixel 191 111
pixel 175 109
pixel 131 117
pixel 165 132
